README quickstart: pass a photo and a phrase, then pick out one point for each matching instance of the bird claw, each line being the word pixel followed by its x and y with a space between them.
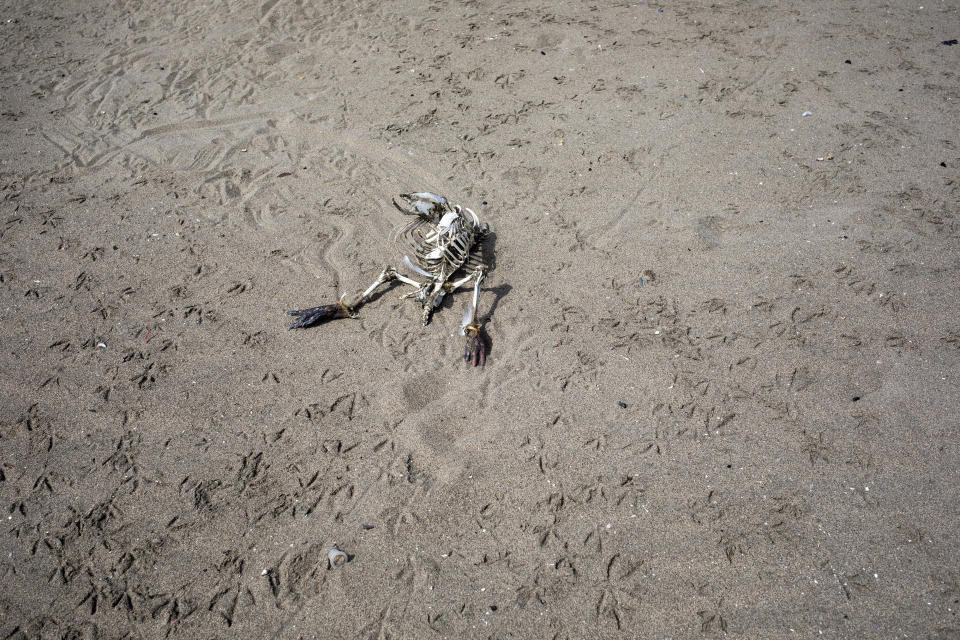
pixel 475 351
pixel 310 317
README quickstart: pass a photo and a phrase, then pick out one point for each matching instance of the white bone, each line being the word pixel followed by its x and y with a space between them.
pixel 476 220
pixel 407 261
pixel 447 220
pixel 422 207
pixel 467 320
pixel 426 195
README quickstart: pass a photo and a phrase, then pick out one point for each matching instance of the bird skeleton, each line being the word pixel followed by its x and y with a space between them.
pixel 443 244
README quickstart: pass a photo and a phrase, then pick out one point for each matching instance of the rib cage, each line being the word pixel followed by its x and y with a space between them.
pixel 441 239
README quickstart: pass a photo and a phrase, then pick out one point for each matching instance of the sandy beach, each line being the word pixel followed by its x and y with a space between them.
pixel 721 398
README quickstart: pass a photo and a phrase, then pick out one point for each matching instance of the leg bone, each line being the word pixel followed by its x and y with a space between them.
pixel 345 308
pixel 475 351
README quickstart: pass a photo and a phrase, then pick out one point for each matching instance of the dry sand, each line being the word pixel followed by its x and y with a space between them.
pixel 722 396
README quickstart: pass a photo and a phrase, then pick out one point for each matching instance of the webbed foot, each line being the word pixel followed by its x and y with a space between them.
pixel 310 317
pixel 475 351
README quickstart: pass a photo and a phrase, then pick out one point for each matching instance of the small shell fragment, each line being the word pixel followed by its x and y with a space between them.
pixel 337 558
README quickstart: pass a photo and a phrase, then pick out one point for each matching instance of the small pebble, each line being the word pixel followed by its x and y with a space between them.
pixel 623 405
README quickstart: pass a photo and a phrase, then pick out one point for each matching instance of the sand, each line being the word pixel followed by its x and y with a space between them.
pixel 722 393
